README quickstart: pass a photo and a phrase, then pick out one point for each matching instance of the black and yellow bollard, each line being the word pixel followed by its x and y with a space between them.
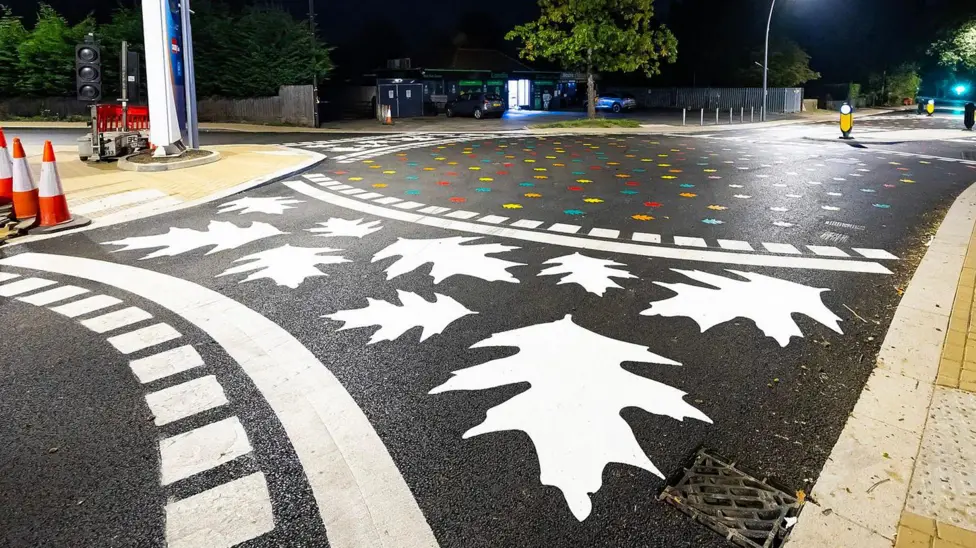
pixel 930 107
pixel 970 117
pixel 846 121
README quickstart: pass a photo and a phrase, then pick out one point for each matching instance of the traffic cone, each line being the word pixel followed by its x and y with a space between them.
pixel 6 173
pixel 24 189
pixel 389 116
pixel 54 215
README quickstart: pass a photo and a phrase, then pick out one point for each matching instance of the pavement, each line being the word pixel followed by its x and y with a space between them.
pixel 593 310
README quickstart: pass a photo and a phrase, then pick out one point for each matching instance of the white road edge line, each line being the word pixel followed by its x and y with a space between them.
pixel 883 435
pixel 689 254
pixel 362 498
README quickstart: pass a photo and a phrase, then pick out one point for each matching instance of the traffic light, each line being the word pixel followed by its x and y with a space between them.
pixel 88 72
pixel 970 118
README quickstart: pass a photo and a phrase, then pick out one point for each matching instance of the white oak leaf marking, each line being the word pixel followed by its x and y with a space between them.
pixel 395 320
pixel 769 302
pixel 572 409
pixel 449 258
pixel 221 235
pixel 286 265
pixel 275 206
pixel 594 275
pixel 344 227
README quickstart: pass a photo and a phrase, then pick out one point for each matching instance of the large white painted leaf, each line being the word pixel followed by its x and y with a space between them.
pixel 275 205
pixel 344 227
pixel 572 409
pixel 219 234
pixel 396 320
pixel 593 274
pixel 286 265
pixel 769 302
pixel 449 258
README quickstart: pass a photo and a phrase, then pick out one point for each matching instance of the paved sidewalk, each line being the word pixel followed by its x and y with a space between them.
pixel 903 472
pixel 106 194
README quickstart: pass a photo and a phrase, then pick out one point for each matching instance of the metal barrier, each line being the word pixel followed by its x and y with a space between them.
pixel 113 118
pixel 784 100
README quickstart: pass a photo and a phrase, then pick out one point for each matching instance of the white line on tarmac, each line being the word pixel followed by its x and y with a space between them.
pixel 201 449
pixel 116 320
pixel 133 341
pixel 361 496
pixel 23 286
pixel 53 295
pixel 164 364
pixel 6 276
pixel 186 399
pixel 224 516
pixel 86 306
pixel 704 255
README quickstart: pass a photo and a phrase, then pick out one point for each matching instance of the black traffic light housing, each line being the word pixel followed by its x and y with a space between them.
pixel 88 72
pixel 970 118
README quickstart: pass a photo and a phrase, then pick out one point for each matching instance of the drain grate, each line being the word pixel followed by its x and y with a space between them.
pixel 743 509
pixel 969 156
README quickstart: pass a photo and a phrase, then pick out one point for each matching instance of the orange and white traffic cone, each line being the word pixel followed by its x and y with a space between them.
pixel 53 207
pixel 24 189
pixel 6 174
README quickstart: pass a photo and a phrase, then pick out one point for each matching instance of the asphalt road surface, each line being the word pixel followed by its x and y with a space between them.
pixel 464 340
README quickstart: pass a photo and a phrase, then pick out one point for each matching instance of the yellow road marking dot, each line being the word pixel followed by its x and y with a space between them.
pixel 642 217
pixel 541 177
pixel 375 167
pixel 440 158
pixel 379 185
pixel 558 165
pixel 428 169
pixel 613 163
pixel 647 159
pixel 584 181
pixel 530 161
pixel 355 178
pixel 709 170
pixel 687 195
pixel 452 163
pixel 368 161
pixel 717 207
pixel 593 200
pixel 674 171
pixel 668 177
pixel 486 179
pixel 622 176
pixel 664 165
pixel 907 181
pixel 550 157
pixel 662 155
pixel 512 206
pixel 474 168
pixel 539 169
pixel 389 172
pixel 509 157
pixel 533 195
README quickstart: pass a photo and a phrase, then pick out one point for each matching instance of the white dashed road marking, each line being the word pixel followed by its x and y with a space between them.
pixel 116 320
pixel 201 449
pixel 140 339
pixel 166 363
pixel 23 286
pixel 186 399
pixel 53 295
pixel 86 306
pixel 224 516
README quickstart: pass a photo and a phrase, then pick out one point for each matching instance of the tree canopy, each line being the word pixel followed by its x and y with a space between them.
pixel 957 50
pixel 598 35
pixel 244 52
pixel 789 65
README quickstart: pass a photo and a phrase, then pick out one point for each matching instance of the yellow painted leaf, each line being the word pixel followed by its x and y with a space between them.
pixel 717 207
pixel 533 195
pixel 907 181
pixel 558 165
pixel 485 179
pixel 530 161
pixel 540 169
pixel 474 168
pixel 355 178
pixel 622 176
pixel 389 172
pixel 440 158
pixel 583 181
pixel 541 176
pixel 368 161
pixel 379 185
pixel 428 169
pixel 613 163
pixel 664 165
pixel 669 177
pixel 512 206
pixel 709 170
pixel 642 217
pixel 593 200
pixel 687 195
pixel 452 163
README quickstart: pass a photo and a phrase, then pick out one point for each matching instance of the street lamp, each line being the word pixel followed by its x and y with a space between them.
pixel 766 61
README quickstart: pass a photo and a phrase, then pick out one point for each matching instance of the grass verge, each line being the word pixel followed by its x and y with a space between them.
pixel 595 122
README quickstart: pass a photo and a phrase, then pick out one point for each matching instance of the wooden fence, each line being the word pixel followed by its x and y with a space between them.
pixel 292 106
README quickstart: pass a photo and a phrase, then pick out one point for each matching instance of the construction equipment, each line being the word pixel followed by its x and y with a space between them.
pixel 116 131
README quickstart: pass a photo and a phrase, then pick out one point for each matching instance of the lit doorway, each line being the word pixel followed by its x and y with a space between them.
pixel 518 94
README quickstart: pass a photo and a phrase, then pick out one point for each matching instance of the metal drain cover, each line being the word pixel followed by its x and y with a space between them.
pixel 741 508
pixel 969 155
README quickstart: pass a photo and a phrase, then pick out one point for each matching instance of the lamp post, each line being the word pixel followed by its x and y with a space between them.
pixel 766 61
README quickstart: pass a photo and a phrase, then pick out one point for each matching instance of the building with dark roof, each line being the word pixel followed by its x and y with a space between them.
pixel 415 90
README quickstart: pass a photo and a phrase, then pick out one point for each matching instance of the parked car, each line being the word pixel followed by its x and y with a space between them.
pixel 616 102
pixel 478 105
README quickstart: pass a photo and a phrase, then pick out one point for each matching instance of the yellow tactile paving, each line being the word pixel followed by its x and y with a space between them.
pixel 84 182
pixel 916 531
pixel 957 368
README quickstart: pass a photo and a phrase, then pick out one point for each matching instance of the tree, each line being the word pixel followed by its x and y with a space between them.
pixel 789 65
pixel 891 88
pixel 46 56
pixel 591 35
pixel 12 34
pixel 957 50
pixel 125 25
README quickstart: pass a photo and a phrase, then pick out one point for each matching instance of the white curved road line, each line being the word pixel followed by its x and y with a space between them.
pixel 566 240
pixel 362 498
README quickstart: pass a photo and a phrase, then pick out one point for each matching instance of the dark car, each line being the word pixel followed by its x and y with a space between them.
pixel 478 105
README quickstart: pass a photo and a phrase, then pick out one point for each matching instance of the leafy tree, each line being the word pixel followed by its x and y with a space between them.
pixel 789 65
pixel 597 35
pixel 12 34
pixel 958 48
pixel 901 83
pixel 46 55
pixel 125 25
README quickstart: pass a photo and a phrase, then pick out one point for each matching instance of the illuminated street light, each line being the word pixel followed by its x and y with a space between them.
pixel 960 89
pixel 766 62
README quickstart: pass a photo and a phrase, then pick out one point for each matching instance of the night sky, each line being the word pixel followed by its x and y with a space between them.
pixel 845 38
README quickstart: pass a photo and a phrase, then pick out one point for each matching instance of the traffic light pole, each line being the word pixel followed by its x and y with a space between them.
pixel 315 75
pixel 189 79
pixel 124 77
